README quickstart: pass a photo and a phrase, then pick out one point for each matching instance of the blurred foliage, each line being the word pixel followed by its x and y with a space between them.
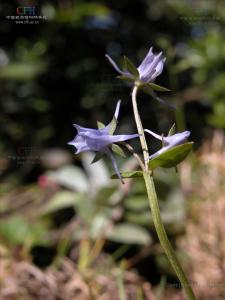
pixel 100 211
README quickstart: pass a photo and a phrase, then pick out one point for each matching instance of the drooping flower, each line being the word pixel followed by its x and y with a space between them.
pixel 149 69
pixel 100 140
pixel 169 141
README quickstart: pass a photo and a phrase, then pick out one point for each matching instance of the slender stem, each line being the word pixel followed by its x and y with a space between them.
pixel 165 243
pixel 154 206
pixel 131 150
pixel 140 129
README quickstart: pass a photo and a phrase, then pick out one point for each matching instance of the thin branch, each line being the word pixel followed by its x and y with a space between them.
pixel 132 151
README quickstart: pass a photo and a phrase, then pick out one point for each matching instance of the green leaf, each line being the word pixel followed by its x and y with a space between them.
pixel 141 218
pixel 147 89
pixel 172 130
pixel 126 78
pixel 18 230
pixel 97 157
pixel 129 234
pixel 61 200
pixel 71 177
pixel 100 125
pixel 172 157
pixel 113 125
pixel 118 150
pixel 99 224
pixel 129 174
pixel 130 67
pixel 157 87
pixel 136 203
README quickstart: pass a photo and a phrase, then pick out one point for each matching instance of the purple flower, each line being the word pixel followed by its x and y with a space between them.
pixel 169 141
pixel 100 140
pixel 151 66
pixel 149 69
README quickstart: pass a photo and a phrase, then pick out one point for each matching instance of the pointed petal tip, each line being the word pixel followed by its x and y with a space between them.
pixel 118 103
pixel 116 114
pixel 187 133
pixel 159 55
pixel 76 126
pixel 150 50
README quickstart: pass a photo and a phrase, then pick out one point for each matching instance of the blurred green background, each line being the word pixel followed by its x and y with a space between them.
pixel 54 205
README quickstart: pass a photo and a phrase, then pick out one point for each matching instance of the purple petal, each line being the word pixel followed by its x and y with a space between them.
pixel 98 142
pixel 146 61
pixel 122 137
pixel 81 129
pixel 164 149
pixel 80 144
pixel 159 68
pixel 147 74
pixel 112 158
pixel 177 139
pixel 169 141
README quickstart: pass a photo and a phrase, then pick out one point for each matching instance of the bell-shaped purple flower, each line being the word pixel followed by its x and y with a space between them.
pixel 169 141
pixel 151 66
pixel 100 140
pixel 149 69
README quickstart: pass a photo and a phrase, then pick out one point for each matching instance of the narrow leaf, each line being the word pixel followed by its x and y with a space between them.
pixel 126 78
pixel 129 234
pixel 172 130
pixel 148 90
pixel 100 125
pixel 129 174
pixel 118 150
pixel 113 125
pixel 157 87
pixel 130 67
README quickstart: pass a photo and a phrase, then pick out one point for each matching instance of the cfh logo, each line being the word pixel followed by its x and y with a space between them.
pixel 26 10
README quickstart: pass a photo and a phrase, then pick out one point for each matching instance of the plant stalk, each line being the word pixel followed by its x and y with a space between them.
pixel 154 206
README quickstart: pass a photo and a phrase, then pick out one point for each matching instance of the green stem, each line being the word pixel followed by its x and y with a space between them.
pixel 140 129
pixel 153 202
